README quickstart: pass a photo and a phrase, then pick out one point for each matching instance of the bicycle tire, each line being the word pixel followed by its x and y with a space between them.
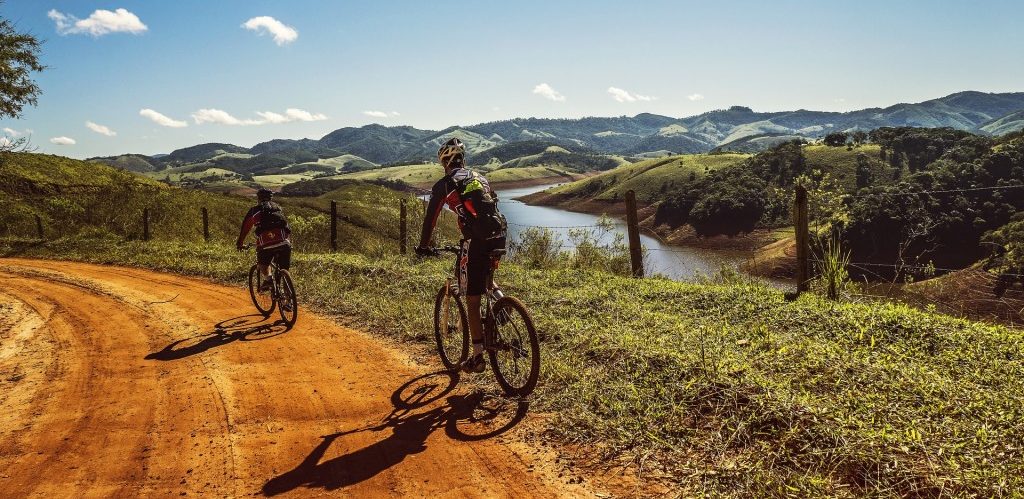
pixel 254 283
pixel 286 292
pixel 454 339
pixel 512 340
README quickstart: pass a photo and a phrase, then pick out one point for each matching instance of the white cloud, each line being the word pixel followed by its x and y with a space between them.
pixel 624 96
pixel 100 23
pixel 290 114
pixel 695 97
pixel 272 117
pixel 283 34
pixel 395 113
pixel 266 117
pixel 13 133
pixel 63 141
pixel 5 142
pixel 100 129
pixel 162 120
pixel 300 115
pixel 545 90
pixel 220 117
pixel 376 114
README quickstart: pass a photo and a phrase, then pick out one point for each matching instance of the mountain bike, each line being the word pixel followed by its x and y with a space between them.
pixel 281 295
pixel 510 338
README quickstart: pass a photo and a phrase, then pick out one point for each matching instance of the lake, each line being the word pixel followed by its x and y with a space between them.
pixel 675 262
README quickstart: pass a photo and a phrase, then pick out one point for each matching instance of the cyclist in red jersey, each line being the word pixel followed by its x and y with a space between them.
pixel 272 235
pixel 469 195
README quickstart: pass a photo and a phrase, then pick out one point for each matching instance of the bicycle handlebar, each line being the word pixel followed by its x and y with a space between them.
pixel 439 250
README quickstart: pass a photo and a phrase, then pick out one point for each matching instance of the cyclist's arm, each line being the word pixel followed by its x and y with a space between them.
pixel 434 207
pixel 250 220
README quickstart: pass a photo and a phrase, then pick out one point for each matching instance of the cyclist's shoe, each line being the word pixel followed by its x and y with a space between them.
pixel 266 286
pixel 474 364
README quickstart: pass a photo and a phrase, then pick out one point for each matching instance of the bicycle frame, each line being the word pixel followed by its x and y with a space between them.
pixel 492 295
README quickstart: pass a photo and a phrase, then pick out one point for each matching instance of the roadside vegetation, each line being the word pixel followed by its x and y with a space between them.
pixel 76 198
pixel 724 388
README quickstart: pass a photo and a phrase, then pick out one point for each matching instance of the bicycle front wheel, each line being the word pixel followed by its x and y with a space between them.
pixel 451 329
pixel 288 304
pixel 264 301
pixel 515 349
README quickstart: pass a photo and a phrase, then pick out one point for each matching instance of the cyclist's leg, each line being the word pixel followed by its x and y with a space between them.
pixel 283 257
pixel 263 259
pixel 477 273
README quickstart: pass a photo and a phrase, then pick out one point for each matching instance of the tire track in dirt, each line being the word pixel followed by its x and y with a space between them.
pixel 156 384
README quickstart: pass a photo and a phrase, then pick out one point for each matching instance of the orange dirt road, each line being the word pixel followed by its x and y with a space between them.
pixel 125 382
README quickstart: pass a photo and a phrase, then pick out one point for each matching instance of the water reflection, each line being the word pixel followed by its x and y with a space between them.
pixel 675 262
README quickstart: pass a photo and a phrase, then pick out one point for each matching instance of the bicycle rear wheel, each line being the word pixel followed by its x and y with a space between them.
pixel 515 348
pixel 451 329
pixel 264 301
pixel 289 304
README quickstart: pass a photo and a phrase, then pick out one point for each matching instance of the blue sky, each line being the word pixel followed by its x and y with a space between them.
pixel 434 64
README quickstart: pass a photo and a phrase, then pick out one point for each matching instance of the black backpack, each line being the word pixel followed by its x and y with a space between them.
pixel 271 217
pixel 489 223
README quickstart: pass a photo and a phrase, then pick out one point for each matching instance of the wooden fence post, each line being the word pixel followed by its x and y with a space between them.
pixel 206 225
pixel 636 257
pixel 39 227
pixel 402 228
pixel 334 225
pixel 803 261
pixel 145 224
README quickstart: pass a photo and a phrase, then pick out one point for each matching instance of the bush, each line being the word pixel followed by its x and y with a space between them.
pixel 730 207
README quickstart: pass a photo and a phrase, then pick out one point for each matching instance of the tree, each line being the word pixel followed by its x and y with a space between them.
pixel 863 171
pixel 860 137
pixel 19 58
pixel 836 139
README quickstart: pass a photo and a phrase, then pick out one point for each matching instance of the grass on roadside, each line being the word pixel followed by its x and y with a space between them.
pixel 729 388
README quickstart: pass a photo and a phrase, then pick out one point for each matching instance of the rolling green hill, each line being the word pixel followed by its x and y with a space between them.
pixel 131 162
pixel 1007 124
pixel 651 179
pixel 85 199
pixel 736 128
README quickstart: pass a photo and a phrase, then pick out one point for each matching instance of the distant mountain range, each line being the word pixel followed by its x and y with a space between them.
pixel 737 128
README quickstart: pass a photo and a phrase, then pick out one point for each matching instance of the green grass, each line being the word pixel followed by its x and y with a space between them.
pixel 728 388
pixel 74 198
pixel 648 178
pixel 842 163
pixel 422 176
pixel 346 161
pixel 527 173
pixel 183 175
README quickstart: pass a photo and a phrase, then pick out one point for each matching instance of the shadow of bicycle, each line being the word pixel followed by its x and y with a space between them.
pixel 251 327
pixel 416 415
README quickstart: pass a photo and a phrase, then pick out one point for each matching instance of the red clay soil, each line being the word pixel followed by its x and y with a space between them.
pixel 126 382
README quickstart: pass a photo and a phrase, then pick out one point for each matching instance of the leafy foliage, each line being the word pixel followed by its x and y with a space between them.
pixel 1007 259
pixel 19 58
pixel 940 213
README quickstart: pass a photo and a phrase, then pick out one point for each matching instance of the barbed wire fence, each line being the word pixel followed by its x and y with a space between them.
pixel 975 290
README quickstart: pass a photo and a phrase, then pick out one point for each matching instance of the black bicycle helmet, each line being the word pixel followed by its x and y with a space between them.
pixel 452 153
pixel 264 194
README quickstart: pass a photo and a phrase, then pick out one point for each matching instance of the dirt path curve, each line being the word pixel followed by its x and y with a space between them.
pixel 126 382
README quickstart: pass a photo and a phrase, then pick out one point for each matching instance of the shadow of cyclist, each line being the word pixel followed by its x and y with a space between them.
pixel 464 417
pixel 244 328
